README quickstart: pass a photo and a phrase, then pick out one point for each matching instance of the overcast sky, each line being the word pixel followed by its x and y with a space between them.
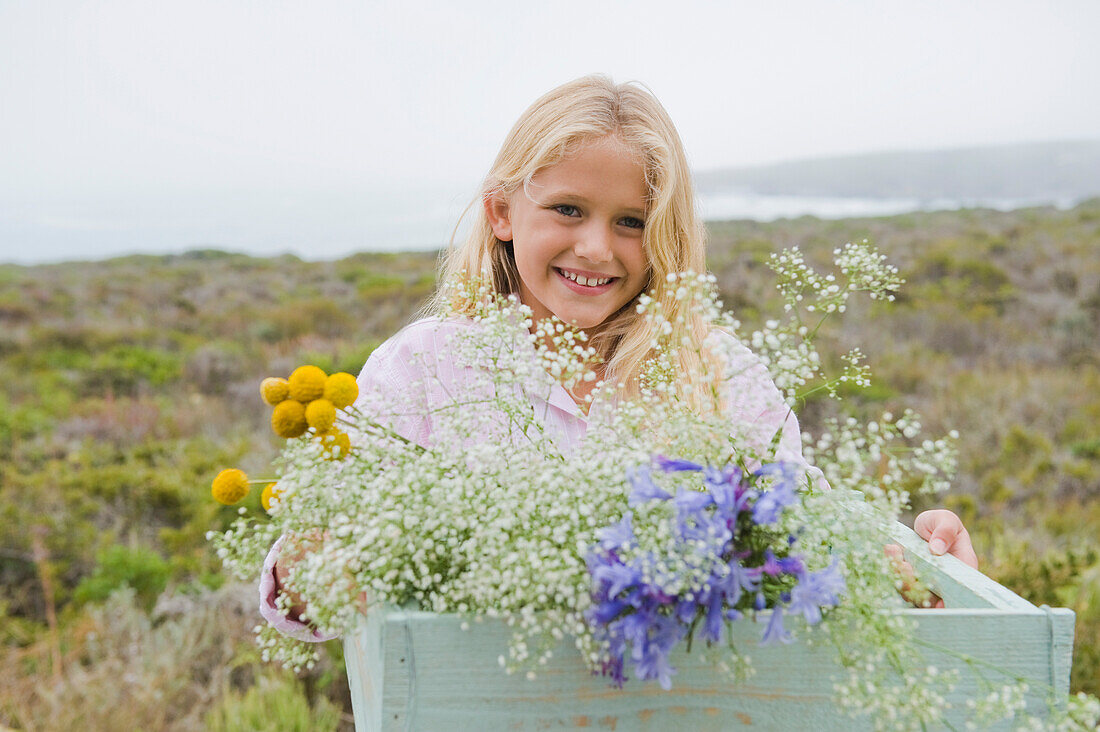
pixel 325 127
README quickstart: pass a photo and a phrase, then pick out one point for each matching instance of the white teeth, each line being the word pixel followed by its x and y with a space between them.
pixel 586 281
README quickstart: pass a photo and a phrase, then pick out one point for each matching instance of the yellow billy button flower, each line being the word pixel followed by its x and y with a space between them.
pixel 270 493
pixel 307 383
pixel 336 444
pixel 341 390
pixel 289 419
pixel 274 390
pixel 230 486
pixel 321 415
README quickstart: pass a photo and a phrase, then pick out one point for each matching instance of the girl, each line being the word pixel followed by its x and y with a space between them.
pixel 588 204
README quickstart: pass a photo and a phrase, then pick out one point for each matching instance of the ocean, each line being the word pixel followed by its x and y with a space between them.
pixel 322 225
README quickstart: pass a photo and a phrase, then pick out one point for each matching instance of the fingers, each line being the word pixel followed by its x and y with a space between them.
pixel 964 550
pixel 911 588
pixel 938 527
pixel 293 552
pixel 296 605
pixel 945 533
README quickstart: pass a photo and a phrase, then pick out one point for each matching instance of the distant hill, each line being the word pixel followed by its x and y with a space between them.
pixel 1054 171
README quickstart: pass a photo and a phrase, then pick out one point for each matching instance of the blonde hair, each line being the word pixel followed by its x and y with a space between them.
pixel 674 240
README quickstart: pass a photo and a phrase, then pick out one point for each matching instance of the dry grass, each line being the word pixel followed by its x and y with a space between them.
pixel 124 669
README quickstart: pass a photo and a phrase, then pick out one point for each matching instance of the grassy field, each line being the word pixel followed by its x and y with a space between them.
pixel 126 384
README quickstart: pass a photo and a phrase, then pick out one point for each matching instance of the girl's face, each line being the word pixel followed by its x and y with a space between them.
pixel 577 239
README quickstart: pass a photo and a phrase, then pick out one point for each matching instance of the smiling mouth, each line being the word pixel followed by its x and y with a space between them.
pixel 584 281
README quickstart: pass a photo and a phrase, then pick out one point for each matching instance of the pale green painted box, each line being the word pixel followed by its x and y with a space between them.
pixel 421 671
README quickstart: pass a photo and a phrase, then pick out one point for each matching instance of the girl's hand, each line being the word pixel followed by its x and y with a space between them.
pixel 911 589
pixel 290 555
pixel 288 558
pixel 945 534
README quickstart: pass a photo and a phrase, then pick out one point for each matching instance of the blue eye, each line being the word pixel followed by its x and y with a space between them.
pixel 567 210
pixel 632 222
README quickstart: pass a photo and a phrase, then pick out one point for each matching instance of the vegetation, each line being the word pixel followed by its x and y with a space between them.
pixel 127 384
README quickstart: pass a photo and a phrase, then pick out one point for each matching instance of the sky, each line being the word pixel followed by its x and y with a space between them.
pixel 326 127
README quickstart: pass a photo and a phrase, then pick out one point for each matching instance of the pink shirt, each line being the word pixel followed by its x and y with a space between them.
pixel 417 361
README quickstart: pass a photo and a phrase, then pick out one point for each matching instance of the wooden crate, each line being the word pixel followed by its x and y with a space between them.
pixel 413 670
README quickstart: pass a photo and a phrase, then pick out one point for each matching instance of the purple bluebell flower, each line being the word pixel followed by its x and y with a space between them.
pixel 635 627
pixel 730 586
pixel 730 475
pixel 730 495
pixel 775 630
pixel 685 611
pixel 644 489
pixel 607 611
pixel 712 627
pixel 616 644
pixel 792 564
pixel 771 564
pixel 816 590
pixel 654 665
pixel 771 503
pixel 673 465
pixel 707 531
pixel 691 501
pixel 617 535
pixel 667 633
pixel 741 578
pixel 616 576
pixel 652 656
pixel 613 667
pixel 775 566
pixel 657 595
pixel 786 471
pixel 718 533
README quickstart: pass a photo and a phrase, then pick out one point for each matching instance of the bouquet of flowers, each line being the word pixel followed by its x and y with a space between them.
pixel 664 523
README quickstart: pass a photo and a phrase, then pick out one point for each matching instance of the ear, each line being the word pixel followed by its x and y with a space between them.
pixel 498 211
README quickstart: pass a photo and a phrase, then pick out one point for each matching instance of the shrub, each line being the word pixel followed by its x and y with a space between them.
pixel 275 704
pixel 1089 449
pixel 373 285
pixel 298 318
pixel 141 570
pixel 214 365
pixel 123 368
pixel 944 275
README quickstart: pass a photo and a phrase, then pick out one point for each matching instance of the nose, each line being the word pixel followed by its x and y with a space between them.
pixel 594 243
